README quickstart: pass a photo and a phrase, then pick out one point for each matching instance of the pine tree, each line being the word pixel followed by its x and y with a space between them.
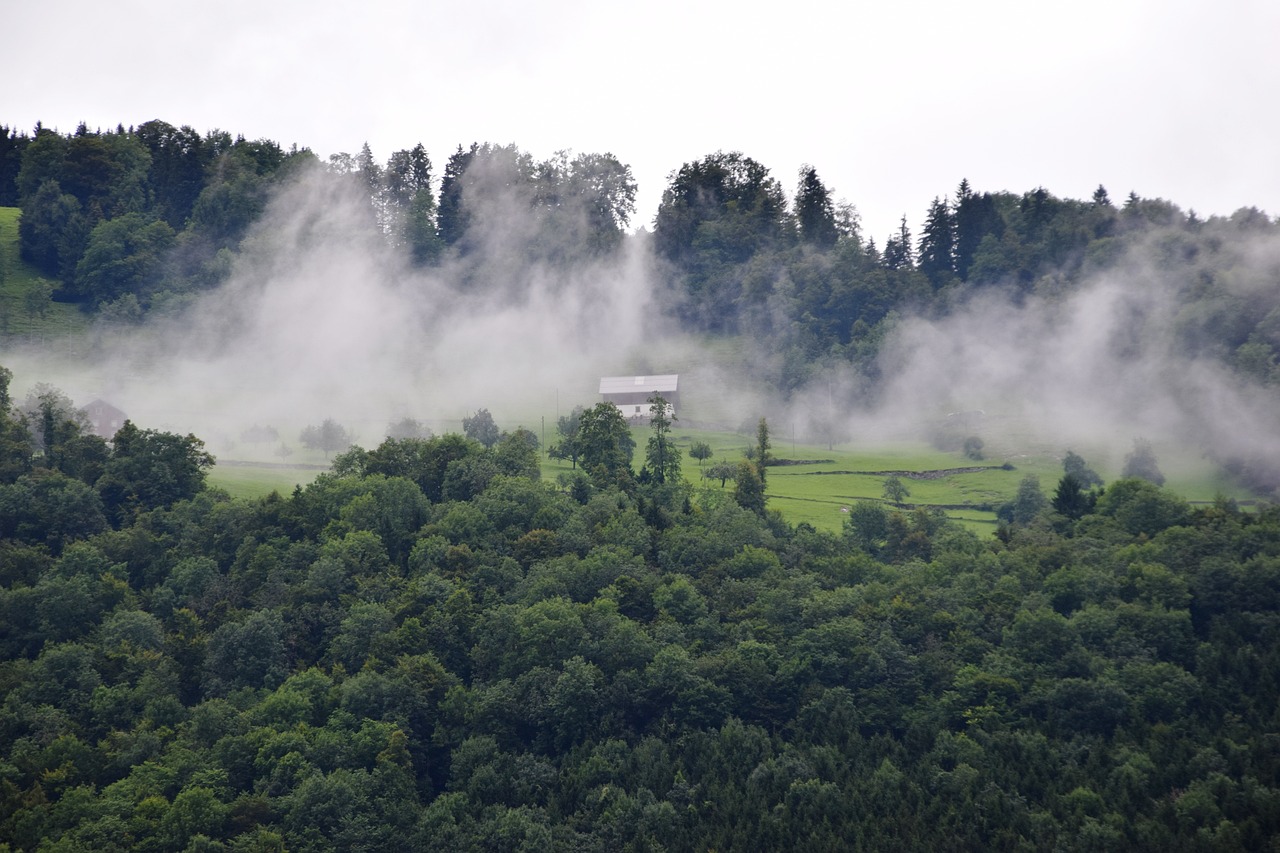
pixel 815 213
pixel 975 217
pixel 897 249
pixel 452 217
pixel 937 244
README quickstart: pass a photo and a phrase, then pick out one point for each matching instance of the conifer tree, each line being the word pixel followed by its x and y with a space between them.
pixel 897 249
pixel 937 243
pixel 815 213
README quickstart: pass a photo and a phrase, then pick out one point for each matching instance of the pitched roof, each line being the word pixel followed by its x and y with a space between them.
pixel 101 408
pixel 629 384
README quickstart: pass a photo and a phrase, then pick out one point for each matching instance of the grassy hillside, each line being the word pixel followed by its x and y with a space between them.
pixel 26 312
pixel 814 484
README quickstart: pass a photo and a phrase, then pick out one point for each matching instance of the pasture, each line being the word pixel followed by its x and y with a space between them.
pixel 26 312
pixel 810 483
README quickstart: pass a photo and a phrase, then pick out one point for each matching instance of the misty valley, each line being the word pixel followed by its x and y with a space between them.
pixel 318 530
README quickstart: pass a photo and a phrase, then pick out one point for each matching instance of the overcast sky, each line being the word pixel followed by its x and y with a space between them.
pixel 893 102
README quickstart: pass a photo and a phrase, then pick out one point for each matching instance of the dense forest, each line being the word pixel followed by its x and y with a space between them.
pixel 430 647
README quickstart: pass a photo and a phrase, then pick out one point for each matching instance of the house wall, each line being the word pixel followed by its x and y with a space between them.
pixel 635 404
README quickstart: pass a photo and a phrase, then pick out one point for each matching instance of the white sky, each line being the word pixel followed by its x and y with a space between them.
pixel 893 102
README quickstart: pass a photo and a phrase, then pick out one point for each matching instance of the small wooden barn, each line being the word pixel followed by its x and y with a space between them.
pixel 631 393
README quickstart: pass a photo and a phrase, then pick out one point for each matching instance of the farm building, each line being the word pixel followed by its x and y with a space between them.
pixel 104 418
pixel 631 393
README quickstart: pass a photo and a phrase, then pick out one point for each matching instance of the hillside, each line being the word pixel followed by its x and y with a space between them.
pixel 27 313
pixel 434 648
pixel 987 559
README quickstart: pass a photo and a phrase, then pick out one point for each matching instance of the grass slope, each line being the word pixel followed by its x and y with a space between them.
pixel 817 485
pixel 20 318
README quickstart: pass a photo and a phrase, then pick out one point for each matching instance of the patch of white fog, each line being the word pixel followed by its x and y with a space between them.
pixel 319 319
pixel 1094 368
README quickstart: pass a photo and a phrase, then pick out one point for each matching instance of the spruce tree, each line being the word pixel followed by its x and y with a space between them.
pixel 815 213
pixel 937 244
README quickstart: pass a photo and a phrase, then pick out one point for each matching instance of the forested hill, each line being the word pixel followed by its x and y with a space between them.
pixel 431 649
pixel 139 220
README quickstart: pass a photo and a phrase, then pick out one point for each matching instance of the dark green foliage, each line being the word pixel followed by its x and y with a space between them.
pixel 126 255
pixel 701 451
pixel 567 427
pixel 516 454
pixel 761 455
pixel 1070 499
pixel 662 457
pixel 179 157
pixel 480 427
pixel 1140 506
pixel 358 666
pixel 120 216
pixel 430 648
pixel 605 444
pixel 815 211
pixel 12 144
pixel 424 461
pixel 748 488
pixel 936 254
pixel 897 249
pixel 50 508
pixel 53 230
pixel 150 469
pixel 246 654
pixel 976 218
pixel 716 216
pixel 1075 466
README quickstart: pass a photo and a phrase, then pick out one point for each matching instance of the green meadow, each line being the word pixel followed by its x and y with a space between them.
pixel 247 480
pixel 814 485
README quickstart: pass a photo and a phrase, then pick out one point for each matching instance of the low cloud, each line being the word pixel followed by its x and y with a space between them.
pixel 320 320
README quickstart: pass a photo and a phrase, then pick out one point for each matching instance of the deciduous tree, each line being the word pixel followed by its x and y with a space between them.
pixel 480 427
pixel 1141 463
pixel 329 436
pixel 661 455
pixel 605 440
pixel 895 490
pixel 149 469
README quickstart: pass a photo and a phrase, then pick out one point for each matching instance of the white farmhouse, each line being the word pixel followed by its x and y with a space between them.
pixel 631 393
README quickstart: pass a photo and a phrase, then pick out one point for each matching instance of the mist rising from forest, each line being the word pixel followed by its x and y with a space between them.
pixel 1091 367
pixel 320 320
